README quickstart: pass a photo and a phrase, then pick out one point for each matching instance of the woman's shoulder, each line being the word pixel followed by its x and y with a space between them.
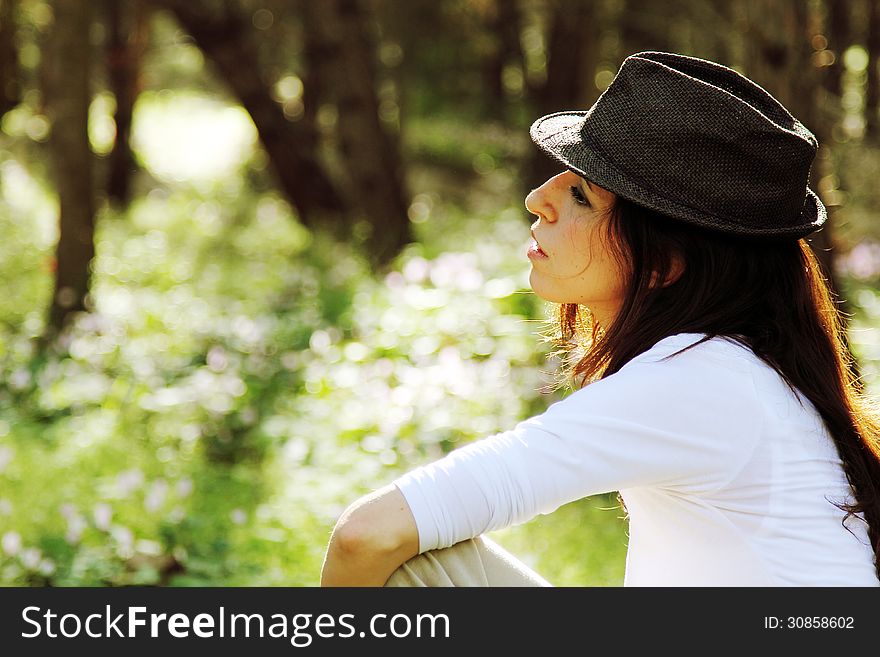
pixel 698 349
pixel 691 369
pixel 682 369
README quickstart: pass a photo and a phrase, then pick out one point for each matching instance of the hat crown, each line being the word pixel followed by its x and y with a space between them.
pixel 695 140
pixel 718 77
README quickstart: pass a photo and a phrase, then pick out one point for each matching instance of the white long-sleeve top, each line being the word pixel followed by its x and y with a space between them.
pixel 724 473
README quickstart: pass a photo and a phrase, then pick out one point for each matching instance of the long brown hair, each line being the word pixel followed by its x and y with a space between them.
pixel 770 296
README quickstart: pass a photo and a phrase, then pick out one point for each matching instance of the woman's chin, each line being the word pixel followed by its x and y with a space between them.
pixel 546 296
pixel 540 288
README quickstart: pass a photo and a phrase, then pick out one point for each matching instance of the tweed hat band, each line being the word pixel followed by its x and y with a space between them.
pixel 696 141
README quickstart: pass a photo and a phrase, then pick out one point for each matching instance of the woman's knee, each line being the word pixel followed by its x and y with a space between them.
pixel 474 562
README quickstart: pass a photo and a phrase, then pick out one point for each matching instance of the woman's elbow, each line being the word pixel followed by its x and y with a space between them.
pixel 373 537
pixel 380 522
pixel 352 535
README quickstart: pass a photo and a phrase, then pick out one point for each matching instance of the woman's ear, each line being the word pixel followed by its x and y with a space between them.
pixel 675 272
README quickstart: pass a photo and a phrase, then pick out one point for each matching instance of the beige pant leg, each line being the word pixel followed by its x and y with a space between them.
pixel 476 562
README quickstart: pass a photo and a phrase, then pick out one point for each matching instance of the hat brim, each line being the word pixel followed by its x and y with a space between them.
pixel 559 135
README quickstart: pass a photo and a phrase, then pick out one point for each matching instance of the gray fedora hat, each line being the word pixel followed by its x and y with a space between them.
pixel 695 141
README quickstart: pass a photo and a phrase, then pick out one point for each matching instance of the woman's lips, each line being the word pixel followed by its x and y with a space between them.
pixel 535 251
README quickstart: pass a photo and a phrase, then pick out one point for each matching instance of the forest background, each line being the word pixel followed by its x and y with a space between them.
pixel 259 257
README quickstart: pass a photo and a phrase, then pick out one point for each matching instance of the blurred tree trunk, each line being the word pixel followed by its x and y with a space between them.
pixel 226 37
pixel 572 60
pixel 837 32
pixel 316 77
pixel 644 25
pixel 872 92
pixel 10 78
pixel 503 27
pixel 66 61
pixel 780 60
pixel 126 42
pixel 341 31
pixel 838 36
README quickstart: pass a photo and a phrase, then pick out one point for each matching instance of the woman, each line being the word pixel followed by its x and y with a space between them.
pixel 715 392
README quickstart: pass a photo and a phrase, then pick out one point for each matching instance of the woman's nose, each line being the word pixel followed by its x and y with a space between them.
pixel 537 203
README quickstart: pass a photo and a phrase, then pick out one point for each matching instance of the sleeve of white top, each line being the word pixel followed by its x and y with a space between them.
pixel 665 424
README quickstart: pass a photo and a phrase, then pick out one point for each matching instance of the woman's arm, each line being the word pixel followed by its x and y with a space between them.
pixel 371 539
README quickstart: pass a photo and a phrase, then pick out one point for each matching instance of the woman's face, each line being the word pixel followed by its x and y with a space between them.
pixel 571 259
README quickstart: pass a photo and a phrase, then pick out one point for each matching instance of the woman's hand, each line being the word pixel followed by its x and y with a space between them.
pixel 371 539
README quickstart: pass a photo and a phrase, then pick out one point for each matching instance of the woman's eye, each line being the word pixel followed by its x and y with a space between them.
pixel 578 196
